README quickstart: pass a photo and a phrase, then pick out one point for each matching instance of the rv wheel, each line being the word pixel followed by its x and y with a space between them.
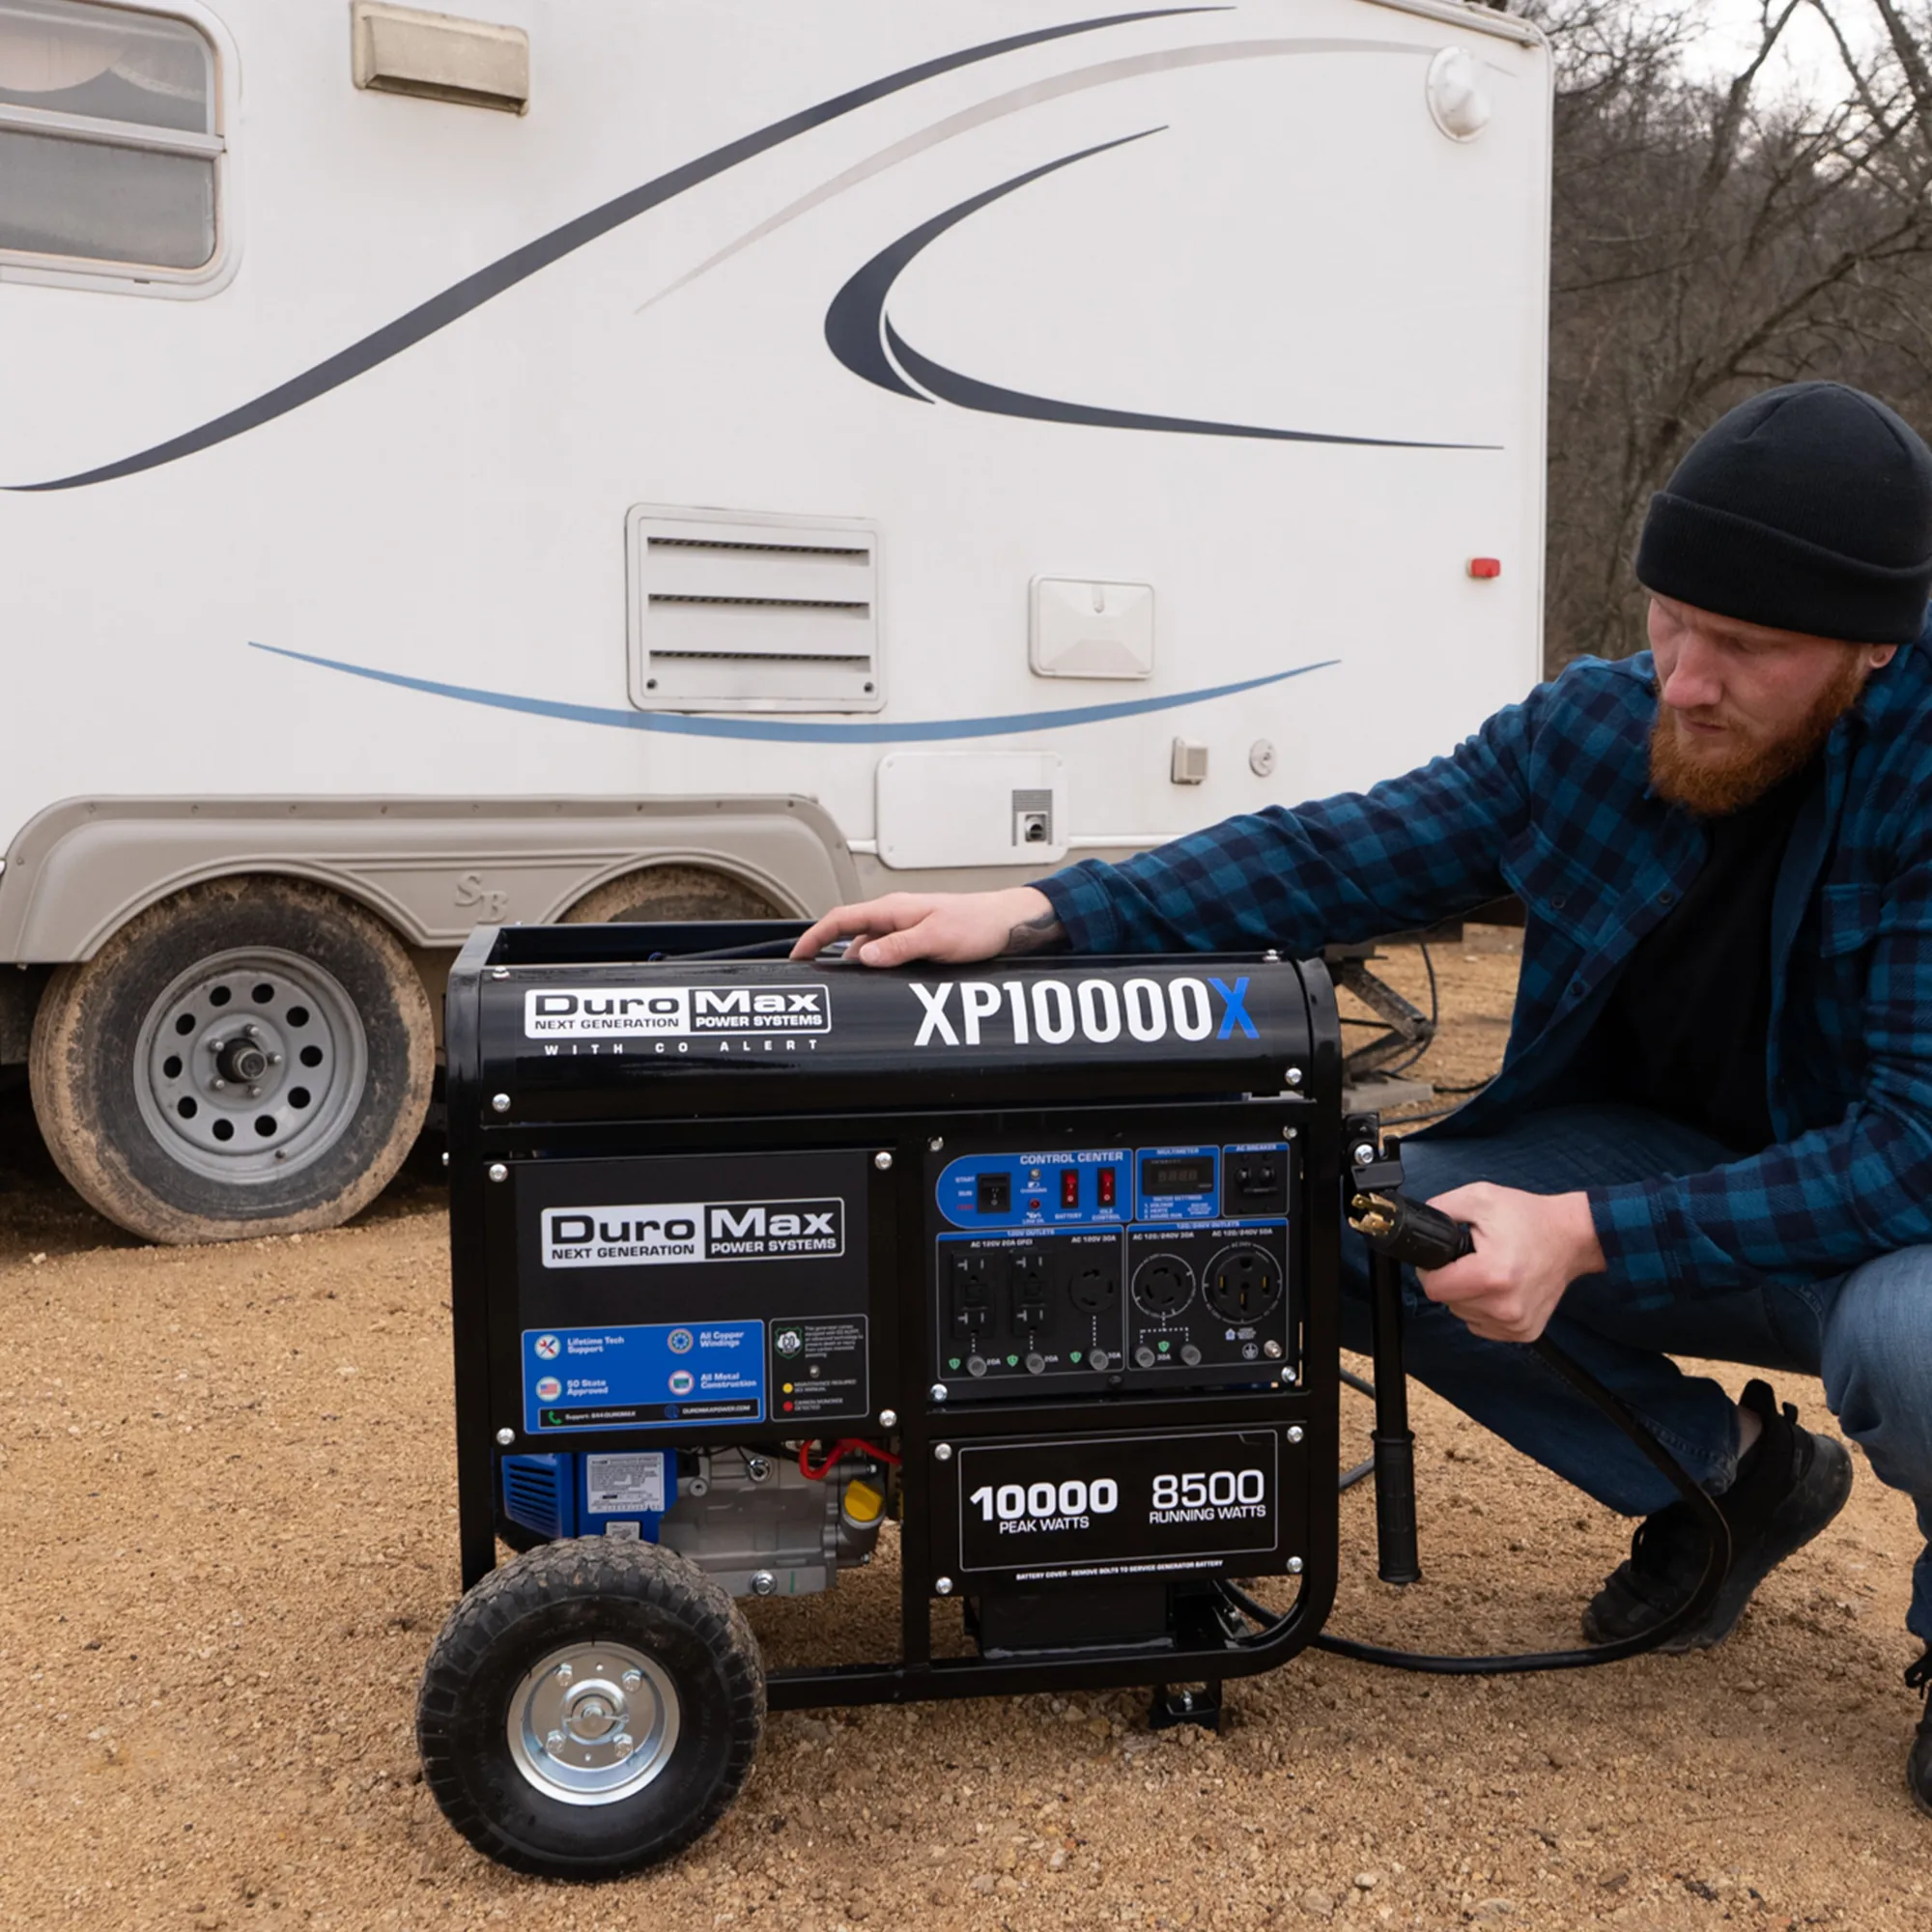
pixel 664 893
pixel 590 1708
pixel 251 1057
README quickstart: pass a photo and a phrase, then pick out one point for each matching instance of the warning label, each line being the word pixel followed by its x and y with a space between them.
pixel 617 1485
pixel 818 1367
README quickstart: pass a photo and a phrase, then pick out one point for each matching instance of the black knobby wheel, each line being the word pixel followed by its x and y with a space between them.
pixel 590 1708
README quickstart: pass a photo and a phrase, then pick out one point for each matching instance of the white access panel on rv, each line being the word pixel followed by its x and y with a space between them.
pixel 464 463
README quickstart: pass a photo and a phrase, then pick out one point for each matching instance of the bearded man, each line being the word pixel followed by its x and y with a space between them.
pixel 1711 1134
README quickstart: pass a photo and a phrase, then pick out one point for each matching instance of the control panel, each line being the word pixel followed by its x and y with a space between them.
pixel 1042 1190
pixel 1092 1270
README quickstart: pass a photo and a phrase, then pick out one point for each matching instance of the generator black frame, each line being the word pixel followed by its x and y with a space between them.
pixel 1215 1645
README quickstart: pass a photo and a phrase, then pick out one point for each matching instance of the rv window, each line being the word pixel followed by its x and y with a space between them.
pixel 108 136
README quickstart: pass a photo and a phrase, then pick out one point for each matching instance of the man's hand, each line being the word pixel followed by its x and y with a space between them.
pixel 955 926
pixel 1529 1248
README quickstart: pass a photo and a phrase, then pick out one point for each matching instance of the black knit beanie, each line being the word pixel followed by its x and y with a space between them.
pixel 1808 508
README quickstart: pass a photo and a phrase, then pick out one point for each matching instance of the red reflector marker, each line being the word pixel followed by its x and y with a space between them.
pixel 1486 566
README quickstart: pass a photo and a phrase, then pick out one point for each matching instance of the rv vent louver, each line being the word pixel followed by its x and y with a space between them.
pixel 734 612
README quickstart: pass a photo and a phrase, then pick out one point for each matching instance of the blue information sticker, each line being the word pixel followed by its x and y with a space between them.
pixel 645 1377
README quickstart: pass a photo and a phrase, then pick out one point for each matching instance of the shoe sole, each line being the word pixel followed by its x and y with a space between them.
pixel 1831 1478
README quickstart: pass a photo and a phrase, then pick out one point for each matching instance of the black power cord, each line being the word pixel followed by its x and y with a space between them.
pixel 1434 1017
pixel 1687 1616
pixel 1409 1231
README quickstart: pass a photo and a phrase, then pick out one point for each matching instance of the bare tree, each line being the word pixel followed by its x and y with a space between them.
pixel 1711 237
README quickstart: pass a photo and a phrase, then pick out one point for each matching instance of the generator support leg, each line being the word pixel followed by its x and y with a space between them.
pixel 1394 1444
pixel 1172 1707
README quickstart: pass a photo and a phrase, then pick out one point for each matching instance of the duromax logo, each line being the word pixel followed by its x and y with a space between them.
pixel 692 1231
pixel 646 1012
pixel 1052 1011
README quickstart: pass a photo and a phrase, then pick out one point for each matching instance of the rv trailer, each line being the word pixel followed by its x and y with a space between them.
pixel 642 458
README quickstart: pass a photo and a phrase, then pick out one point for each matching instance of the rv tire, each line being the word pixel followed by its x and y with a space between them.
pixel 252 1055
pixel 671 892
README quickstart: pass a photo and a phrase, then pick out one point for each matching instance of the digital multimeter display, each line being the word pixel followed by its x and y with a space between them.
pixel 1167 1175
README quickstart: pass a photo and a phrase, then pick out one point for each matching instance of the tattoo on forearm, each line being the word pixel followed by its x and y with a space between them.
pixel 1033 934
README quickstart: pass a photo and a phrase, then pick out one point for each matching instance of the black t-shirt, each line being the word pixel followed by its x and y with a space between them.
pixel 1688 1024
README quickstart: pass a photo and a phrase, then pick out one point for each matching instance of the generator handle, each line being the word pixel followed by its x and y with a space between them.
pixel 1398 1231
pixel 1394 1443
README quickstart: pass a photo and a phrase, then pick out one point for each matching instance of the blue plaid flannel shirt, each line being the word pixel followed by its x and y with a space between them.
pixel 1550 800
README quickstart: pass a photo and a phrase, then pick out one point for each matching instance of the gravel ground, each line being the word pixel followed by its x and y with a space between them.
pixel 229 1495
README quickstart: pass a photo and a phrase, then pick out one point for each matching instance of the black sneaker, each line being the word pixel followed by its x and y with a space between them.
pixel 1919 1766
pixel 1790 1486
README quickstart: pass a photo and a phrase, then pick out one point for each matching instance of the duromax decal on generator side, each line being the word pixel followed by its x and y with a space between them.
pixel 666 1012
pixel 683 1232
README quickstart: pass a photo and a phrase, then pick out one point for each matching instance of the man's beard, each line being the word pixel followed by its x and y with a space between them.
pixel 1728 781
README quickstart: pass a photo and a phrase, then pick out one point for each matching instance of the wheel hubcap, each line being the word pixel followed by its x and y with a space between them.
pixel 593 1723
pixel 241 1061
pixel 250 1065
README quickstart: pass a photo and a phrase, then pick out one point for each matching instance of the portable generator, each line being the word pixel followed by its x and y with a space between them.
pixel 1035 1260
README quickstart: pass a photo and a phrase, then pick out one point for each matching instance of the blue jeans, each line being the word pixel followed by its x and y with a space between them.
pixel 1867 1334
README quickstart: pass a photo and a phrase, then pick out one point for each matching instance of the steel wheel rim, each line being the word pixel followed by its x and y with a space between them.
pixel 592 1723
pixel 250 1065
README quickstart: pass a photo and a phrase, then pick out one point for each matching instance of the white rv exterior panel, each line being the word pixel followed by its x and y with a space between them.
pixel 1091 630
pixel 971 809
pixel 1203 300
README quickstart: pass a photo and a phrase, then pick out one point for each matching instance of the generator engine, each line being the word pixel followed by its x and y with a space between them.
pixel 760 1520
pixel 767 1528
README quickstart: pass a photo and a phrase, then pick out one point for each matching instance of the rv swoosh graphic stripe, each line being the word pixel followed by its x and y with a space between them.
pixel 474 289
pixel 1166 60
pixel 780 730
pixel 853 321
pixel 967 393
pixel 860 334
